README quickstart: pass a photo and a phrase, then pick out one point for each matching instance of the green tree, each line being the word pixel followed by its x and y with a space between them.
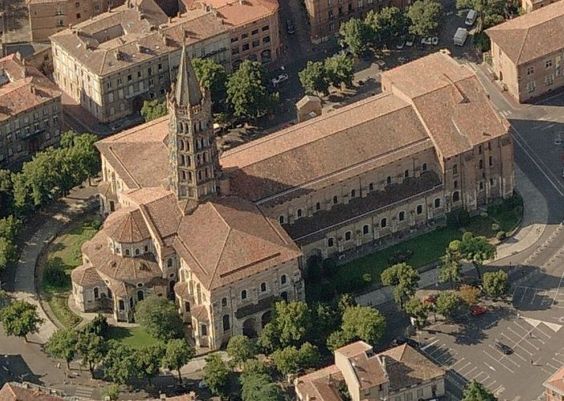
pixel 112 392
pixel 83 157
pixel 417 309
pixel 20 319
pixel 286 360
pixel 490 12
pixel 355 35
pixel 309 356
pixel 337 339
pixel 153 109
pixel 363 322
pixel 327 319
pixel 386 24
pixel 177 354
pixel 159 317
pixel 269 338
pixel 448 304
pixel 62 344
pixel 475 391
pixel 293 321
pixel 91 348
pixel 404 279
pixel 9 227
pixel 241 348
pixel 469 294
pixel 149 360
pixel 8 252
pixel 424 16
pixel 6 193
pixel 314 78
pixel 339 70
pixel 119 363
pixel 216 375
pixel 211 75
pixel 4 299
pixel 475 249
pixel 98 326
pixel 259 387
pixel 495 283
pixel 449 270
pixel 247 93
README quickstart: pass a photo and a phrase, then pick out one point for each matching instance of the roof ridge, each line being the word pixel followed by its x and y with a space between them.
pixel 221 254
pixel 523 45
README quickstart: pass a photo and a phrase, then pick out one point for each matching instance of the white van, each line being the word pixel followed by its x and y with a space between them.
pixel 460 36
pixel 471 17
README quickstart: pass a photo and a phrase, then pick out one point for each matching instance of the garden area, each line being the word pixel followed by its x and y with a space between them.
pixel 55 267
pixel 325 279
pixel 135 337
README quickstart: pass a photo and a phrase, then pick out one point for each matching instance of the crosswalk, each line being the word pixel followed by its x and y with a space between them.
pixel 83 392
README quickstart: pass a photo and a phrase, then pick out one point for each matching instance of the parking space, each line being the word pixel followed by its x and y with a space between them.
pixel 510 356
pixel 538 298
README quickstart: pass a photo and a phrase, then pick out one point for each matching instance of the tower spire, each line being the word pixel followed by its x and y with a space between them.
pixel 188 92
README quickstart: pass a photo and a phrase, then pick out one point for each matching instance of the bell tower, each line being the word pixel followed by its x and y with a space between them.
pixel 193 155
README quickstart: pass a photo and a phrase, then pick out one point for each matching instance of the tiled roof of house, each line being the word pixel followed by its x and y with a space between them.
pixel 116 40
pixel 531 36
pixel 556 381
pixel 448 98
pixel 229 239
pixel 236 12
pixel 22 87
pixel 86 276
pixel 12 392
pixel 127 226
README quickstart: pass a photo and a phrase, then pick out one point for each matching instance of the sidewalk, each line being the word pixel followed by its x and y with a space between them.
pixel 535 215
pixel 24 281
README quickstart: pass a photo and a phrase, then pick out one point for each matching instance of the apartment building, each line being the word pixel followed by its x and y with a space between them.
pixel 113 62
pixel 326 16
pixel 254 27
pixel 554 386
pixel 397 374
pixel 30 111
pixel 47 17
pixel 527 52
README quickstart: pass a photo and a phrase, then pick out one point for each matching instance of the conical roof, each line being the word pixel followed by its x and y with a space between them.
pixel 127 226
pixel 188 92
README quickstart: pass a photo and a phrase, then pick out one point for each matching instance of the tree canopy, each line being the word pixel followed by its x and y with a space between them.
pixel 153 109
pixel 216 375
pixel 211 75
pixel 448 304
pixel 259 387
pixel 355 35
pixel 159 317
pixel 177 354
pixel 388 23
pixel 339 69
pixel 241 348
pixel 424 16
pixel 490 12
pixel 364 323
pixel 20 319
pixel 475 391
pixel 495 283
pixel 314 78
pixel 404 279
pixel 120 365
pixel 62 344
pixel 149 360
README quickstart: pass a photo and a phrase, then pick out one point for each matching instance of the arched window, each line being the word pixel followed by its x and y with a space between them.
pixel 481 164
pixel 226 323
pixel 186 306
pixel 224 302
pixel 401 216
pixel 283 279
pixel 299 213
pixel 348 236
pixel 169 262
pixel 455 184
pixel 389 180
pixel 146 248
pixel 438 202
pixel 96 293
pixel 127 252
pixel 335 200
pixel 371 186
pixel 491 161
pixel 456 196
pixel 140 295
pixel 353 193
pixel 281 219
pixel 330 242
pixel 136 251
pixel 455 169
pixel 262 287
pixel 424 167
pixel 203 330
pixel 366 229
pixel 317 206
pixel 121 304
pixel 244 294
pixel 419 209
pixel 406 173
pixel 383 222
pixel 284 296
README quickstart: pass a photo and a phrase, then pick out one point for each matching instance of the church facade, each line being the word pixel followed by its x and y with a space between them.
pixel 227 235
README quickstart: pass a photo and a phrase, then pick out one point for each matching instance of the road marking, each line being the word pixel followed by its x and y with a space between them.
pixel 523 338
pixel 429 345
pixel 480 374
pixel 505 357
pixel 489 366
pixel 464 367
pixel 558 361
pixel 535 323
pixel 470 371
pixel 499 390
pixel 489 385
pixel 496 361
pixel 552 366
pixel 457 362
pixel 558 289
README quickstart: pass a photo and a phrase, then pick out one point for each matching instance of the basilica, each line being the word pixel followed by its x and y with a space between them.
pixel 227 235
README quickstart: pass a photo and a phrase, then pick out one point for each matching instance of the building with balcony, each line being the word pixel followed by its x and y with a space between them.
pixel 527 52
pixel 360 374
pixel 254 27
pixel 30 111
pixel 225 234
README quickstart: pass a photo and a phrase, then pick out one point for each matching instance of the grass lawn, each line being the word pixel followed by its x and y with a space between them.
pixel 505 215
pixel 365 271
pixel 135 337
pixel 64 255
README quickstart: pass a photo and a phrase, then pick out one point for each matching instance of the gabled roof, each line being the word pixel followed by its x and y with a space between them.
pixel 531 36
pixel 14 392
pixel 230 239
pixel 556 381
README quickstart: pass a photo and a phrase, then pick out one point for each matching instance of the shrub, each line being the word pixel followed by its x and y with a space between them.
pixel 54 274
pixel 367 278
pixel 500 235
pixel 495 227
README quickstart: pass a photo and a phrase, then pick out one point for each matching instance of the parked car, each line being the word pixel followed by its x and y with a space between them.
pixel 431 40
pixel 471 17
pixel 290 27
pixel 283 77
pixel 410 40
pixel 435 40
pixel 460 36
pixel 504 348
pixel 400 45
pixel 477 310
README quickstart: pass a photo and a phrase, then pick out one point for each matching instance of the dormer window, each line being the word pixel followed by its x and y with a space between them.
pixel 127 253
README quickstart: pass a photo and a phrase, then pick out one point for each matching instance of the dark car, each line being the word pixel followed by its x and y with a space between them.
pixel 501 347
pixel 477 310
pixel 405 340
pixel 290 27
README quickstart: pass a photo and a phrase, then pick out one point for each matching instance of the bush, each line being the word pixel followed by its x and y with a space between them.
pixel 500 235
pixel 55 275
pixel 367 278
pixel 495 227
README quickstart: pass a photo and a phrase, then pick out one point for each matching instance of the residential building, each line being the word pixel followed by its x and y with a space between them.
pixel 30 111
pixel 554 386
pixel 399 373
pixel 531 5
pixel 47 17
pixel 113 62
pixel 13 391
pixel 225 234
pixel 527 52
pixel 326 16
pixel 254 30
